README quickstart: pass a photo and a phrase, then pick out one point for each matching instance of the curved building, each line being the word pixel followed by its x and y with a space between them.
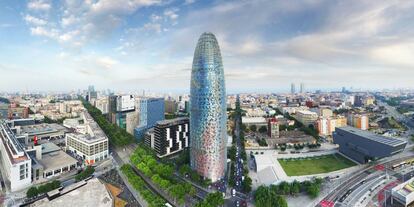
pixel 208 135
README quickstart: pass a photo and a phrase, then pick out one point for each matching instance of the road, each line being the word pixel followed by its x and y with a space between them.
pixel 349 185
pixel 238 198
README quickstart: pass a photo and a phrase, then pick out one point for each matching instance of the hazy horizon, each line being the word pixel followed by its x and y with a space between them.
pixel 126 45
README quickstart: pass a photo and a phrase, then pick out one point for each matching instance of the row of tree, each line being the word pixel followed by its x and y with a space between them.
pixel 272 196
pixel 88 171
pixel 161 174
pixel 151 198
pixel 35 191
pixel 211 200
pixel 117 136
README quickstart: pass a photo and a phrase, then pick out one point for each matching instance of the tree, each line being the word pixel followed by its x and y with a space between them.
pixel 295 187
pixel 313 190
pixel 253 128
pixel 263 129
pixel 212 200
pixel 284 188
pixel 280 201
pixel 32 192
pixel 247 184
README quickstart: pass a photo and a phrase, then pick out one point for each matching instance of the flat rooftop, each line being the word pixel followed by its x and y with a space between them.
pixel 56 160
pixel 172 121
pixel 248 120
pixel 93 194
pixel 374 137
pixel 42 129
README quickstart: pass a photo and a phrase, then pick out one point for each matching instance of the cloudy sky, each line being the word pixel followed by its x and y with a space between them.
pixel 131 45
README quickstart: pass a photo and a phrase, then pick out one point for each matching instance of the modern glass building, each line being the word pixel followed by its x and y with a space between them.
pixel 208 110
pixel 151 110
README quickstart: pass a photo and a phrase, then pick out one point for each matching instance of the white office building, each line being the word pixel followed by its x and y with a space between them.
pixel 16 163
pixel 91 144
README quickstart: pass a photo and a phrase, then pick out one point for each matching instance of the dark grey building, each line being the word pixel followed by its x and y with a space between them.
pixel 168 136
pixel 363 146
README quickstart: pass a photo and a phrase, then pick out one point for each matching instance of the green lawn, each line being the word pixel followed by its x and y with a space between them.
pixel 315 165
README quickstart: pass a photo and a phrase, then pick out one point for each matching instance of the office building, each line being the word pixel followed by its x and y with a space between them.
pixel 169 136
pixel 364 146
pixel 151 111
pixel 358 101
pixel 273 128
pixel 292 88
pixel 103 105
pixel 90 143
pixel 171 107
pixel 16 163
pixel 208 132
pixel 125 103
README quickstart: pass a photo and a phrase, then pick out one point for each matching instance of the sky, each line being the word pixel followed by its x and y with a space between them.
pixel 133 45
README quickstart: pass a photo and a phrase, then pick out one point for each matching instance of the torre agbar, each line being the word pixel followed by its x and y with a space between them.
pixel 208 136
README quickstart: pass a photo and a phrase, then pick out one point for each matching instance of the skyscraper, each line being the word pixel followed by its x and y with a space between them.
pixel 302 88
pixel 208 110
pixel 292 88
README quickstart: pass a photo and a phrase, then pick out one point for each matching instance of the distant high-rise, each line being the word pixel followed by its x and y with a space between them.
pixel 292 88
pixel 208 116
pixel 302 88
pixel 151 110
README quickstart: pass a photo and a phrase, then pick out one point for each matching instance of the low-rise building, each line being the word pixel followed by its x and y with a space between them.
pixel 403 193
pixel 364 146
pixel 91 145
pixel 306 117
pixel 258 121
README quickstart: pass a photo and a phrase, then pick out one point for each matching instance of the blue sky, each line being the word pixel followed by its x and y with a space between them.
pixel 133 45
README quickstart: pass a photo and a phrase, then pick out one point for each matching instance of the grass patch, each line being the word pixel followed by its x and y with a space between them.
pixel 315 165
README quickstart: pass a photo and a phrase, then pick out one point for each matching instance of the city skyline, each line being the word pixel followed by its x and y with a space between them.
pixel 148 44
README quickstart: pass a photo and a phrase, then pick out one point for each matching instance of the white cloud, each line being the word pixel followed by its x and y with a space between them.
pixel 396 54
pixel 152 27
pixel 39 5
pixel 171 14
pixel 34 20
pixel 106 62
pixel 41 31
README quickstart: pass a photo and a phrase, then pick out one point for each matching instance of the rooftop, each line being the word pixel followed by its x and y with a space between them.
pixel 41 128
pixel 93 194
pixel 56 160
pixel 172 121
pixel 374 137
pixel 253 119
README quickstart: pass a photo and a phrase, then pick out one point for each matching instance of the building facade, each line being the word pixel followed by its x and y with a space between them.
pixel 91 144
pixel 273 128
pixel 151 111
pixel 208 116
pixel 326 126
pixel 16 163
pixel 169 136
pixel 363 146
pixel 360 121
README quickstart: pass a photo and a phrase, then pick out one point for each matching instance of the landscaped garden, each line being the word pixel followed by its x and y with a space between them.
pixel 314 165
